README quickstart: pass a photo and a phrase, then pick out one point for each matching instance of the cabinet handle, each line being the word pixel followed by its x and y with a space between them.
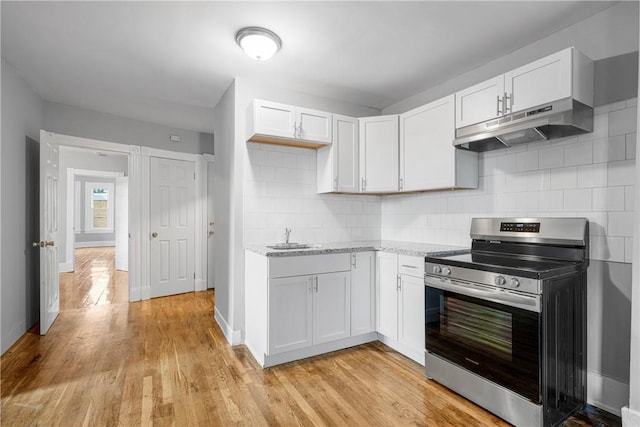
pixel 399 283
pixel 409 266
pixel 364 182
pixel 401 183
pixel 353 260
pixel 506 106
pixel 316 280
pixel 295 129
pixel 498 101
pixel 335 183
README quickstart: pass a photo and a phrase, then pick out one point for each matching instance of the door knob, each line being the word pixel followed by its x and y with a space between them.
pixel 37 244
pixel 154 234
pixel 50 243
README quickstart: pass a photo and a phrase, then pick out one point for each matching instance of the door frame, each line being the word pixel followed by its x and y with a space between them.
pixel 69 265
pixel 138 172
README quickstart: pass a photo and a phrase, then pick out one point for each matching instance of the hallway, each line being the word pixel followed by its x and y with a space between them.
pixel 95 280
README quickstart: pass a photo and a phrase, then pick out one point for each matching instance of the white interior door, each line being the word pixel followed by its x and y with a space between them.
pixel 172 226
pixel 49 279
pixel 122 223
pixel 210 228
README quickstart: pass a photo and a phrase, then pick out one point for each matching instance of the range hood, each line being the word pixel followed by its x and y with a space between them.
pixel 559 119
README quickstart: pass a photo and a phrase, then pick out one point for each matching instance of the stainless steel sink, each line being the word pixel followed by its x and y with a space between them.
pixel 288 246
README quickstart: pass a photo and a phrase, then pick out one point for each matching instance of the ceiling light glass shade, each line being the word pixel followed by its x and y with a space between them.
pixel 258 43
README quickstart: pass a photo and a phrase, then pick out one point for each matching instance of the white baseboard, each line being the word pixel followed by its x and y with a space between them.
pixel 101 244
pixel 606 393
pixel 65 267
pixel 233 337
pixel 417 355
pixel 630 417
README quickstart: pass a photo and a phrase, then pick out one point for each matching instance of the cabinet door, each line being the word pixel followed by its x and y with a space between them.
pixel 313 125
pixel 346 146
pixel 274 119
pixel 331 307
pixel 411 327
pixel 290 313
pixel 480 102
pixel 545 80
pixel 363 298
pixel 379 154
pixel 427 154
pixel 387 294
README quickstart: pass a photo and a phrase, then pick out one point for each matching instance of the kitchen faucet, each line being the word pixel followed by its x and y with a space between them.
pixel 287 232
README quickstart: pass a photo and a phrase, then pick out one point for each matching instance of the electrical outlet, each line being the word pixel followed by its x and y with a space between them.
pixel 175 138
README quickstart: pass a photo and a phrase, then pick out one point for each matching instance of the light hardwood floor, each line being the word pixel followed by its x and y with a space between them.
pixel 165 362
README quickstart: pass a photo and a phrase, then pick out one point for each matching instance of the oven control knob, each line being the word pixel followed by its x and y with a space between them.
pixel 446 271
pixel 500 281
pixel 514 282
pixel 437 269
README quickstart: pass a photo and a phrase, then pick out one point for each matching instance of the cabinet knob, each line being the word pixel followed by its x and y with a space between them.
pixel 154 234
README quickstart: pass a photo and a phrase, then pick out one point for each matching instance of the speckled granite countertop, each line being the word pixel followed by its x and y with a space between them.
pixel 404 248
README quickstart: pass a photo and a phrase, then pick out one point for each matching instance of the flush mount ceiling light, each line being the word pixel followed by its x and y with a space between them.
pixel 259 43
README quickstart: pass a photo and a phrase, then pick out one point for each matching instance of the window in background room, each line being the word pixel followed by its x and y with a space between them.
pixel 99 197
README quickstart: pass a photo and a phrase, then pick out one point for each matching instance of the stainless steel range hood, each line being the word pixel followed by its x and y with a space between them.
pixel 559 119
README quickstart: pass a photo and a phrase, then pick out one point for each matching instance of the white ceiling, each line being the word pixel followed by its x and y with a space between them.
pixel 170 62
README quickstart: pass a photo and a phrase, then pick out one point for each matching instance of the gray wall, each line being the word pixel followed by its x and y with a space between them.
pixel 80 235
pixel 610 33
pixel 616 78
pixel 75 121
pixel 22 112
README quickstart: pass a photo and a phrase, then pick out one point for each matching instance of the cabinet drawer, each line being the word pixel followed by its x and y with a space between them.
pixel 308 264
pixel 411 265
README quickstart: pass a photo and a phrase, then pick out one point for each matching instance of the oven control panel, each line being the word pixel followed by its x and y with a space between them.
pixel 520 227
pixel 505 281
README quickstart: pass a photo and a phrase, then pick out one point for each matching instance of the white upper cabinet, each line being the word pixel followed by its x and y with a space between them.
pixel 564 74
pixel 428 159
pixel 480 102
pixel 379 154
pixel 282 124
pixel 337 164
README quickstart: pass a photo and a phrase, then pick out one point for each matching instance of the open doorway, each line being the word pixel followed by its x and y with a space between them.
pixel 94 240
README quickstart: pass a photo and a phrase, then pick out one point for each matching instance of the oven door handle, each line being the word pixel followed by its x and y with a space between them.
pixel 487 293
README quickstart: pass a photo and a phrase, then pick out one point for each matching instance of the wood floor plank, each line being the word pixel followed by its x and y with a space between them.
pixel 165 362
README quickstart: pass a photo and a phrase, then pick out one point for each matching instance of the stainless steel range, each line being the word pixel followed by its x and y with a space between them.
pixel 505 323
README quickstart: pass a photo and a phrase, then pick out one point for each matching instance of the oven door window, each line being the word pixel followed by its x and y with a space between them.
pixel 495 341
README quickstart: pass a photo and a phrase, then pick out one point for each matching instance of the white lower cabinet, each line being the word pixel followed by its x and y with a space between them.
pixel 290 310
pixel 400 292
pixel 301 306
pixel 308 310
pixel 363 293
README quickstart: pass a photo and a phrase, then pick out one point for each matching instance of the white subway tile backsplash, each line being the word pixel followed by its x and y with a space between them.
pixel 551 201
pixel 577 200
pixel 590 176
pixel 538 180
pixel 608 199
pixel 564 178
pixel 607 248
pixel 623 121
pixel 550 158
pixel 631 145
pixel 629 197
pixel 578 154
pixel 621 173
pixel 527 161
pixel 609 149
pixel 506 163
pixel 620 224
pixel 597 222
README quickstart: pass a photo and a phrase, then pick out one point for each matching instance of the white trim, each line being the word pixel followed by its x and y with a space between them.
pixel 209 157
pixel 136 270
pixel 144 186
pixel 200 237
pixel 233 337
pixel 166 154
pixel 630 418
pixel 97 173
pixel 98 244
pixel 65 267
pixel 606 393
pixel 87 144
